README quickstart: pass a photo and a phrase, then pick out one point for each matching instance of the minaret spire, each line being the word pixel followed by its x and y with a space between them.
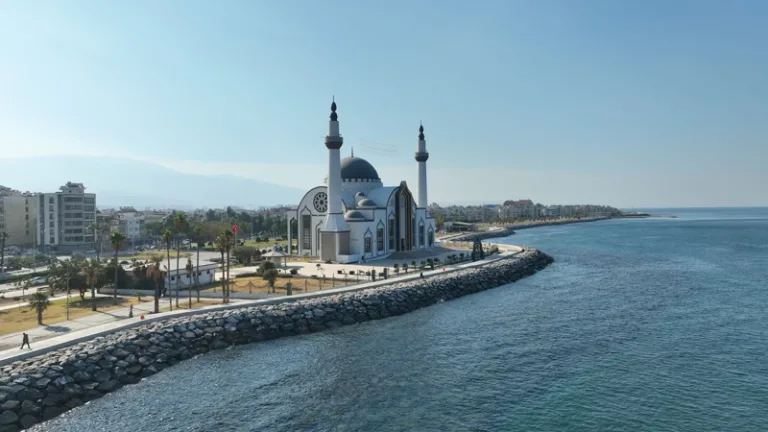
pixel 334 236
pixel 421 159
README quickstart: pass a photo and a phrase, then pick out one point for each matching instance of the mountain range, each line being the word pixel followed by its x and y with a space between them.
pixel 125 182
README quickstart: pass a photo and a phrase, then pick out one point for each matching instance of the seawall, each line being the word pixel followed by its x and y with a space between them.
pixel 41 388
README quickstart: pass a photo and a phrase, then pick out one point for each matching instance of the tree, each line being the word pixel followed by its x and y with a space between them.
pixel 168 238
pixel 224 243
pixel 25 283
pixel 98 229
pixel 196 232
pixel 180 223
pixel 117 240
pixel 61 275
pixel 157 275
pixel 190 268
pixel 3 235
pixel 268 273
pixel 39 302
pixel 92 270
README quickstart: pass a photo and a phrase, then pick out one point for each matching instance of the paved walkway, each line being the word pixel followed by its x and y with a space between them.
pixel 45 332
pixel 48 331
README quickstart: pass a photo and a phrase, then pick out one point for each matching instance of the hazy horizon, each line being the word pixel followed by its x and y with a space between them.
pixel 633 105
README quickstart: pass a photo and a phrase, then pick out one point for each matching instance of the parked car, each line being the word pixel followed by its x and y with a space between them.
pixel 39 281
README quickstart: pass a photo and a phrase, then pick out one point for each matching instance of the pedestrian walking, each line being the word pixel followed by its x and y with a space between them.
pixel 25 341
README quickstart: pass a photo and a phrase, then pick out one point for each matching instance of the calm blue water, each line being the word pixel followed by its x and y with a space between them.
pixel 641 325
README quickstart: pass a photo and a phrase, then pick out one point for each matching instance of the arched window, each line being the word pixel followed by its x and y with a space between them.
pixel 431 240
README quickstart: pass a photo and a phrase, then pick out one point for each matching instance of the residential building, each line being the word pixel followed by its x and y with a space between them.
pixel 18 217
pixel 131 223
pixel 64 218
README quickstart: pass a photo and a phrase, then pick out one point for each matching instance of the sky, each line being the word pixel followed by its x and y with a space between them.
pixel 633 104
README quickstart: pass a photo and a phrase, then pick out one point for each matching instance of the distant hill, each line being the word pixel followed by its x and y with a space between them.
pixel 125 182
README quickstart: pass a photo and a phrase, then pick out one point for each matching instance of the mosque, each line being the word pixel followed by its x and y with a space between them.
pixel 355 217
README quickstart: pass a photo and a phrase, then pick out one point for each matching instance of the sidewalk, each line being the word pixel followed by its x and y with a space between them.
pixel 44 332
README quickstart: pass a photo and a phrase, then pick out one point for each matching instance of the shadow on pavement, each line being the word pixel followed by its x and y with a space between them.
pixel 57 329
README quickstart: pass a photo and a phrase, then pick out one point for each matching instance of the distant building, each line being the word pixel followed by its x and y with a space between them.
pixel 18 217
pixel 130 222
pixel 64 218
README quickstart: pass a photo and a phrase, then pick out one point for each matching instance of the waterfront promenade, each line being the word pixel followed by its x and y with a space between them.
pixel 120 321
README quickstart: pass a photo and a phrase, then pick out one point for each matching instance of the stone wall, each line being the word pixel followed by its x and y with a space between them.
pixel 40 388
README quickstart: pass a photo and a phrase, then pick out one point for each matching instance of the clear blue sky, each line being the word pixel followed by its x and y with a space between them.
pixel 645 103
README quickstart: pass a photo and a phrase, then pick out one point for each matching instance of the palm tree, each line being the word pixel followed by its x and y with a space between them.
pixel 180 223
pixel 117 240
pixel 61 274
pixel 229 237
pixel 197 232
pixel 92 271
pixel 220 245
pixel 39 302
pixel 3 235
pixel 189 269
pixel 155 273
pixel 168 238
pixel 98 229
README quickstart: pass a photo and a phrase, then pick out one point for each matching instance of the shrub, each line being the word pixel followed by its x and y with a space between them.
pixel 294 271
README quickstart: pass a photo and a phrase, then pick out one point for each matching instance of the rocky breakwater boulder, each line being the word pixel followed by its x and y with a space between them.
pixel 40 388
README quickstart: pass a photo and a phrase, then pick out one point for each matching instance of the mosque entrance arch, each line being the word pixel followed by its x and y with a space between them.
pixel 404 218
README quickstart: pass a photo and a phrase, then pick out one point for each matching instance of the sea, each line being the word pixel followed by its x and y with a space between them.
pixel 656 324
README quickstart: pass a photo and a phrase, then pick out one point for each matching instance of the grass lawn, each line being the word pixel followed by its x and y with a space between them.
pixel 260 286
pixel 19 319
pixel 148 307
pixel 146 255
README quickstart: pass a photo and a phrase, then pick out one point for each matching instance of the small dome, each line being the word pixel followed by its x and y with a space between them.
pixel 360 195
pixel 354 168
pixel 354 215
pixel 367 202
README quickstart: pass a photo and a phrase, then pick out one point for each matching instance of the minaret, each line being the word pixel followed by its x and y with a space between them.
pixel 334 218
pixel 421 158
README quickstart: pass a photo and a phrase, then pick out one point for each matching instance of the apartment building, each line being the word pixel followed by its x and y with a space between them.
pixel 130 222
pixel 64 218
pixel 18 217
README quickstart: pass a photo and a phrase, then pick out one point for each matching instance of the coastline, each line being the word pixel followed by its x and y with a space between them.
pixel 510 229
pixel 42 387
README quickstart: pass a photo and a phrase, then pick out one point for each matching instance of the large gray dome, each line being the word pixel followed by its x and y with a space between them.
pixel 354 168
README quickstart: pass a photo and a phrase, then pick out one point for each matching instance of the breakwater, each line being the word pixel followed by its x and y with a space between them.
pixel 510 229
pixel 43 387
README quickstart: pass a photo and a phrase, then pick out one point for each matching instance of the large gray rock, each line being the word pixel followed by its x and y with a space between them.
pixel 8 417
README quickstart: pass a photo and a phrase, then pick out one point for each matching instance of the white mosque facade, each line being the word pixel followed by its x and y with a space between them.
pixel 354 217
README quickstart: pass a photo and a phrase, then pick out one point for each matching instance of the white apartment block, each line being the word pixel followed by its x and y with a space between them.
pixel 64 218
pixel 18 217
pixel 130 222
